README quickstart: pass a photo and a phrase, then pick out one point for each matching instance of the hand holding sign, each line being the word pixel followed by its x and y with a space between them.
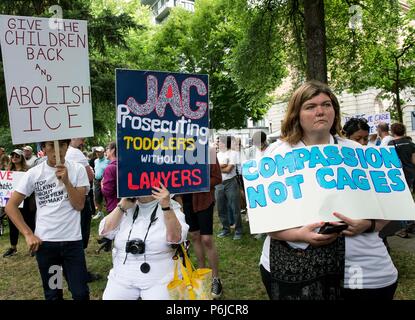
pixel 162 194
pixel 62 173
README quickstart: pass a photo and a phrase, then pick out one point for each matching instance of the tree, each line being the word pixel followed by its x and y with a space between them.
pixel 203 42
pixel 378 52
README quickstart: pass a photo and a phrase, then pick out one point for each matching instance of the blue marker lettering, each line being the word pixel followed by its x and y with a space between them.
pixel 373 157
pixel 320 175
pixel 333 156
pixel 316 157
pixel 295 182
pixel 390 157
pixel 344 179
pixel 397 183
pixel 349 157
pixel 267 167
pixel 282 192
pixel 300 156
pixel 246 172
pixel 379 181
pixel 256 196
pixel 360 179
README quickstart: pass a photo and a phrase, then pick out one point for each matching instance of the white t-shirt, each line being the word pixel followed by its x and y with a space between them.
pixel 56 219
pixel 228 157
pixel 365 255
pixel 30 162
pixel 158 252
pixel 76 155
pixel 385 141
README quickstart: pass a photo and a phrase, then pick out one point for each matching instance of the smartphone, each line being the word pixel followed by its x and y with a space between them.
pixel 331 228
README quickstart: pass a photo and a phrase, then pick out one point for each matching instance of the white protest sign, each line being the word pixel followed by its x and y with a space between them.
pixel 372 119
pixel 306 185
pixel 46 73
pixel 8 182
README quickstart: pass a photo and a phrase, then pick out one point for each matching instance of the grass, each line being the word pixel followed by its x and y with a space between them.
pixel 20 279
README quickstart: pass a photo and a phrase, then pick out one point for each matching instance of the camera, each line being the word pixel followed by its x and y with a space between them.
pixel 136 246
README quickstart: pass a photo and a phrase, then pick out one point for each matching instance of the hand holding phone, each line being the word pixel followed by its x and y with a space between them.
pixel 329 228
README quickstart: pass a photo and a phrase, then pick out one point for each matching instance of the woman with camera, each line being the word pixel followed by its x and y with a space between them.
pixel 144 230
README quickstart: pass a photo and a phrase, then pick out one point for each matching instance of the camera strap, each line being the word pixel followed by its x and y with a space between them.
pixel 153 219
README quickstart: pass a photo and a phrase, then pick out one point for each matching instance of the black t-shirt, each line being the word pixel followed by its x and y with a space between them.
pixel 405 148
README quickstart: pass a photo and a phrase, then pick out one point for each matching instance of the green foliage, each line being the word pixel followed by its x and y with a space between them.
pixel 380 54
pixel 203 42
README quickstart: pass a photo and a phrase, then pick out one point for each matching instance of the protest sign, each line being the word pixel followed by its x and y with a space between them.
pixel 372 119
pixel 8 182
pixel 46 74
pixel 306 185
pixel 162 132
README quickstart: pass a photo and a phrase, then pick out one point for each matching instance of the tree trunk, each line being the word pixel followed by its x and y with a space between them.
pixel 397 88
pixel 315 32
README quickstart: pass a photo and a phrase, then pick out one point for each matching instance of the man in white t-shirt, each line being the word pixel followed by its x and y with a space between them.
pixel 227 193
pixel 60 196
pixel 29 157
pixel 75 154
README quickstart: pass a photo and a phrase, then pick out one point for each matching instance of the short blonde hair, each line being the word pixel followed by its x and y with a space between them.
pixel 291 130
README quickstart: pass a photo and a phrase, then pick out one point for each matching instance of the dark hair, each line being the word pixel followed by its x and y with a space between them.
pixel 291 130
pixel 260 134
pixel 66 141
pixel 227 140
pixel 355 124
pixel 398 129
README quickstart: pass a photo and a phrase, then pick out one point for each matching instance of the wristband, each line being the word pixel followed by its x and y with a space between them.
pixel 372 226
pixel 121 208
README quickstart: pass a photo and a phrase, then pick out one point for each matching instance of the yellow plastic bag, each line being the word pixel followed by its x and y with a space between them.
pixel 195 284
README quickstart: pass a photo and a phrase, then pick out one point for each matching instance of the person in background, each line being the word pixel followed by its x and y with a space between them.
pixel 227 193
pixel 383 133
pixel 75 154
pixel 405 149
pixel 29 156
pixel 198 209
pixel 57 240
pixel 109 178
pixel 357 129
pixel 28 211
pixel 374 140
pixel 144 231
pixel 4 162
pixel 100 163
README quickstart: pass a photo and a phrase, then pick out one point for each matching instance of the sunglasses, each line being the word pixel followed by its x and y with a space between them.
pixel 15 155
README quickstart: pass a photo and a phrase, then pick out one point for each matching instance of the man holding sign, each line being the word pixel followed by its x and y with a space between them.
pixel 52 101
pixel 60 196
pixel 304 183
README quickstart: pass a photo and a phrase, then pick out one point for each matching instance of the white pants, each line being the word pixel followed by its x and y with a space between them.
pixel 116 290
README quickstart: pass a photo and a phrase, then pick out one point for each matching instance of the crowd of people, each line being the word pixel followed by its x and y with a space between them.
pixel 61 199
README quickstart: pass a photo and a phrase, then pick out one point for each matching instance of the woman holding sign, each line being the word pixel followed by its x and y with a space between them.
pixel 18 163
pixel 307 263
pixel 143 231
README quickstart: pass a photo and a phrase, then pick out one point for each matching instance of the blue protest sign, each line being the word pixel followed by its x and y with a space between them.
pixel 162 132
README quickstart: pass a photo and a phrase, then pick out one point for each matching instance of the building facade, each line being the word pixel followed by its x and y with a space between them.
pixel 162 8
